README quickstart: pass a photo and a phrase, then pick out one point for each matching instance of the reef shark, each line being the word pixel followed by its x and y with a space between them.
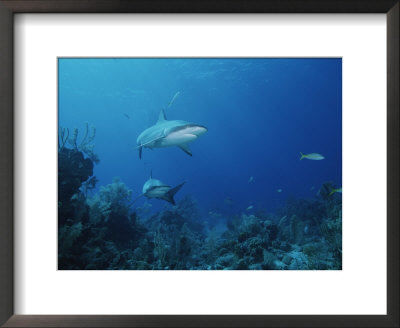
pixel 169 133
pixel 154 188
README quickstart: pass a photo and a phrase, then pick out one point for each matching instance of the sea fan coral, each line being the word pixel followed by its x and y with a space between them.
pixel 113 198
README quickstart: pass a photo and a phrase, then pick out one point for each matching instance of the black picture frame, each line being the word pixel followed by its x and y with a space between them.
pixel 10 7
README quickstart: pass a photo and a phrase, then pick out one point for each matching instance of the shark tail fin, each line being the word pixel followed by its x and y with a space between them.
pixel 169 196
pixel 302 156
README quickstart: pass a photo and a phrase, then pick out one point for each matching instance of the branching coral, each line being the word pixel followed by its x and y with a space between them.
pixel 86 146
pixel 63 135
pixel 211 245
pixel 250 224
pixel 160 247
pixel 68 235
pixel 296 230
pixel 187 208
pixel 113 198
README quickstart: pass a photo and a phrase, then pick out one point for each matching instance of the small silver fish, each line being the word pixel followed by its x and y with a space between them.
pixel 312 156
pixel 249 208
pixel 251 179
pixel 335 190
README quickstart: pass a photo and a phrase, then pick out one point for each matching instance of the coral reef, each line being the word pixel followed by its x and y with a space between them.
pixel 102 231
pixel 73 171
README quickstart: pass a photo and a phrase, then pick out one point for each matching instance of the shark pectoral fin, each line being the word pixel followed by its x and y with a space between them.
pixel 169 196
pixel 129 205
pixel 186 149
pixel 149 142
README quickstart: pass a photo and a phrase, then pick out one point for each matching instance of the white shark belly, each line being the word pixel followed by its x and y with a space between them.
pixel 157 192
pixel 176 138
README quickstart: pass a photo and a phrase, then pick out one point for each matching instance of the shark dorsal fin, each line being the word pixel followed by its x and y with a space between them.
pixel 161 116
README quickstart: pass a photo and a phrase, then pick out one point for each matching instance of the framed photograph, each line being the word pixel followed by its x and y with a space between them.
pixel 183 164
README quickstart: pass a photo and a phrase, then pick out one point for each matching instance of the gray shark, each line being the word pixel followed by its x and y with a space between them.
pixel 169 133
pixel 154 188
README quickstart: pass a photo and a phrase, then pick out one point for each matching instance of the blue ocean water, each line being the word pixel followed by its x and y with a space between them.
pixel 260 114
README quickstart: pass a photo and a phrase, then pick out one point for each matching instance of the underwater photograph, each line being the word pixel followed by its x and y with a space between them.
pixel 199 164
